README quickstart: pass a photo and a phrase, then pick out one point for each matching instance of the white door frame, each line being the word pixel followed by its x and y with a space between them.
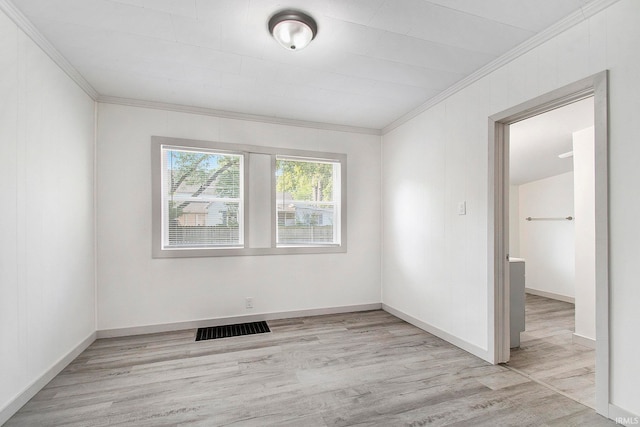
pixel 498 242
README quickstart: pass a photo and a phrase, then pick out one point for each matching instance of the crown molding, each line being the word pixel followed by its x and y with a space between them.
pixel 582 14
pixel 156 105
pixel 32 32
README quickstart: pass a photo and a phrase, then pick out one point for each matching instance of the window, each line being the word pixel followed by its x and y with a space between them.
pixel 202 198
pixel 307 202
pixel 220 199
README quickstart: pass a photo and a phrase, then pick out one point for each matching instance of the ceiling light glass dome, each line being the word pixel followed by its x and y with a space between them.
pixel 294 30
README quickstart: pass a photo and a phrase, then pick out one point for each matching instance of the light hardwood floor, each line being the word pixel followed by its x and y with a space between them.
pixel 365 369
pixel 547 352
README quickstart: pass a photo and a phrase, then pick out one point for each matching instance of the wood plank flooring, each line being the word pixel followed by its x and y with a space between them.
pixel 365 369
pixel 548 354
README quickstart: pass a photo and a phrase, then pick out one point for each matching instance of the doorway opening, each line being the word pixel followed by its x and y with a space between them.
pixel 551 240
pixel 498 244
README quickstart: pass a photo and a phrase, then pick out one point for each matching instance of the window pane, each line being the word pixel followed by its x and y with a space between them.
pixel 195 174
pixel 306 211
pixel 305 180
pixel 202 198
pixel 205 224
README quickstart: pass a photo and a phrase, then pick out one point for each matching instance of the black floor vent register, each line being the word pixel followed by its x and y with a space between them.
pixel 215 332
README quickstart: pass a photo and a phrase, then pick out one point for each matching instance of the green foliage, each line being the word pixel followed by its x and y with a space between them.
pixel 197 173
pixel 187 168
pixel 305 181
pixel 205 172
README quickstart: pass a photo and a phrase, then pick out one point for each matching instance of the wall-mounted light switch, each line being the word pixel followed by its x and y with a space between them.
pixel 462 208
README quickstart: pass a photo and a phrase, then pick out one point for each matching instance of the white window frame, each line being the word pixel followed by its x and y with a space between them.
pixel 257 218
pixel 160 221
pixel 201 198
pixel 336 202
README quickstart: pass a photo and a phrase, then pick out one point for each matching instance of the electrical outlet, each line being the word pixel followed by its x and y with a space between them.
pixel 248 302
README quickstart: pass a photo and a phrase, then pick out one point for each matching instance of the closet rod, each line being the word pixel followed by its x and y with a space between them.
pixel 567 218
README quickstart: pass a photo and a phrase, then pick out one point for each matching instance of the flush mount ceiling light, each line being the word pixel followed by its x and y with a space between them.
pixel 293 29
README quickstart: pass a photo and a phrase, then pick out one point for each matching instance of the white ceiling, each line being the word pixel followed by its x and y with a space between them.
pixel 535 143
pixel 372 61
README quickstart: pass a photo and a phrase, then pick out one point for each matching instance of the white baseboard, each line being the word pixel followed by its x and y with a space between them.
pixel 19 401
pixel 464 345
pixel 623 417
pixel 584 341
pixel 193 324
pixel 551 295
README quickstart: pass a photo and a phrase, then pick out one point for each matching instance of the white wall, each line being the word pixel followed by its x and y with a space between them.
pixel 514 221
pixel 585 225
pixel 47 283
pixel 548 247
pixel 434 260
pixel 136 290
pixel 435 267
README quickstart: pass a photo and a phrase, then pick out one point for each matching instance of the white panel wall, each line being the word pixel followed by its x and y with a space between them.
pixel 136 290
pixel 585 248
pixel 47 286
pixel 435 262
pixel 548 247
pixel 514 221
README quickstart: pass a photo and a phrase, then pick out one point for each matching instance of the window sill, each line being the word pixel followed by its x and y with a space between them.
pixel 224 252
